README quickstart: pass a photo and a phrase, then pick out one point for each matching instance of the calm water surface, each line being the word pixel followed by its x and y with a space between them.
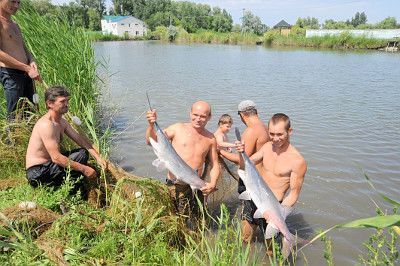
pixel 344 107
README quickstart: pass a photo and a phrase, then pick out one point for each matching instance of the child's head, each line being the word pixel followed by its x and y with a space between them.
pixel 225 123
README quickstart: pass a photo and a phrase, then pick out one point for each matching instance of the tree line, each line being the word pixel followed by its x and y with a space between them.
pixel 188 15
pixel 359 21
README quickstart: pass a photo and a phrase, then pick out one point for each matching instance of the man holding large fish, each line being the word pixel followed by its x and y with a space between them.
pixel 283 169
pixel 192 144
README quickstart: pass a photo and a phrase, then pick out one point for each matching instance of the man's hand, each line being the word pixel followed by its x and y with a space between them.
pixel 33 72
pixel 151 116
pixel 239 146
pixel 208 189
pixel 103 163
pixel 89 172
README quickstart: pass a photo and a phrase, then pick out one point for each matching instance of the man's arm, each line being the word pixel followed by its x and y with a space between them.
pixel 249 147
pixel 296 182
pixel 49 138
pixel 215 169
pixel 83 142
pixel 150 132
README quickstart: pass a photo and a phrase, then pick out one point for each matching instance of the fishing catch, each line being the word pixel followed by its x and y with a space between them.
pixel 168 158
pixel 268 206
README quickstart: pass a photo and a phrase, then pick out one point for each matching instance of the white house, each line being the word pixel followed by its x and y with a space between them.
pixel 122 25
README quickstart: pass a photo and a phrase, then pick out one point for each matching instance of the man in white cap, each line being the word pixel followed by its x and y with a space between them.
pixel 255 136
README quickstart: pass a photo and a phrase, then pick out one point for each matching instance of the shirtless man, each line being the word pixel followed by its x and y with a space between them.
pixel 45 164
pixel 194 144
pixel 283 167
pixel 17 65
pixel 255 136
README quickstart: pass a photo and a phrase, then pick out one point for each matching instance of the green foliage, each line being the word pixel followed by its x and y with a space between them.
pixel 252 23
pixel 307 23
pixel 388 23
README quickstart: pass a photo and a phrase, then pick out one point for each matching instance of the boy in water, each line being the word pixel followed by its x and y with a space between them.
pixel 224 125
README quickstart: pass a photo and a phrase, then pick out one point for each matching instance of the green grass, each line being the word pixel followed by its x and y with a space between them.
pixel 342 41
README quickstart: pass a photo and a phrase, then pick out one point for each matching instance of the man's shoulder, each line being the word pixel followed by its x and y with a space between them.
pixel 297 158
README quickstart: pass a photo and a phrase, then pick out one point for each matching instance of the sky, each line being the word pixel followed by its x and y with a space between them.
pixel 273 11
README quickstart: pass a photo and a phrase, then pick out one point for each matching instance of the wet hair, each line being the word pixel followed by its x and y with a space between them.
pixel 53 92
pixel 276 118
pixel 225 119
pixel 249 111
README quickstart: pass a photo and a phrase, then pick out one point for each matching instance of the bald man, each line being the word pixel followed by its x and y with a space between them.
pixel 194 144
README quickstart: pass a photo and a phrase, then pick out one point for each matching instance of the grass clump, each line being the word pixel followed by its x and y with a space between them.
pixel 343 41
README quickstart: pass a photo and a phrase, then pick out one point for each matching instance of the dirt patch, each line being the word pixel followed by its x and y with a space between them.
pixel 11 182
pixel 53 248
pixel 37 219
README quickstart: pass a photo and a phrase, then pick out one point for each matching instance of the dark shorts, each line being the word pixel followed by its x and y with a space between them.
pixel 51 174
pixel 185 200
pixel 248 210
pixel 16 84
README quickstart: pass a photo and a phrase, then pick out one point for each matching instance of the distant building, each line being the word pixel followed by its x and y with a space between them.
pixel 123 25
pixel 283 27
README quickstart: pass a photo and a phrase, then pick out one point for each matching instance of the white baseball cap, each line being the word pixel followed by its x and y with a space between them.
pixel 246 105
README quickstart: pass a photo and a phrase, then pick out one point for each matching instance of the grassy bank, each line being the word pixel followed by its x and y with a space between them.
pixel 98 36
pixel 115 226
pixel 342 41
pixel 272 38
pixel 179 35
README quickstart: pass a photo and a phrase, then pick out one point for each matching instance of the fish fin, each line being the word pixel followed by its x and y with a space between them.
pixel 245 195
pixel 286 210
pixel 292 245
pixel 258 214
pixel 271 231
pixel 160 165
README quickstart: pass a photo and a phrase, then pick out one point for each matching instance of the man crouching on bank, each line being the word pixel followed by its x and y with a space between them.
pixel 45 164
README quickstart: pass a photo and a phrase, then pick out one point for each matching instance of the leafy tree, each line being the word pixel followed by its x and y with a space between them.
pixel 252 23
pixel 358 19
pixel 308 23
pixel 387 23
pixel 221 21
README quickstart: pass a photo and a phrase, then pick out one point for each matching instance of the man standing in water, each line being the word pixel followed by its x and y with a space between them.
pixel 255 136
pixel 17 65
pixel 45 164
pixel 282 166
pixel 194 144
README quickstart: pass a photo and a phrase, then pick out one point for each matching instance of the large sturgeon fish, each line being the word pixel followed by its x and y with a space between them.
pixel 168 158
pixel 268 206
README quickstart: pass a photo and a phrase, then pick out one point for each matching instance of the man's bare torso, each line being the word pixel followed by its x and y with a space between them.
pixel 11 41
pixel 277 168
pixel 192 146
pixel 259 133
pixel 36 153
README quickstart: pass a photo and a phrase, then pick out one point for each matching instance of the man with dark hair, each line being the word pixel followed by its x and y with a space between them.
pixel 45 164
pixel 282 166
pixel 17 65
pixel 255 136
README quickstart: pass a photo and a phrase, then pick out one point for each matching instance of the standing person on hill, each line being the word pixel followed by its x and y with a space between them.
pixel 17 65
pixel 255 136
pixel 45 164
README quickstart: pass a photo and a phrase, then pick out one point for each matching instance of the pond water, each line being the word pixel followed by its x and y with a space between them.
pixel 344 107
